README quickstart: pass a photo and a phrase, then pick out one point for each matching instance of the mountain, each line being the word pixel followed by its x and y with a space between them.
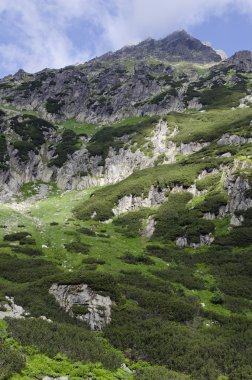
pixel 125 223
pixel 178 46
pixel 116 87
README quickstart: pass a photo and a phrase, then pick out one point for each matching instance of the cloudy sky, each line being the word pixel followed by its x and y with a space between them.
pixel 35 34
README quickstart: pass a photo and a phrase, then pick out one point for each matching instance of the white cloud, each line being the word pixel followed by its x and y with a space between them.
pixel 39 32
pixel 40 36
pixel 138 19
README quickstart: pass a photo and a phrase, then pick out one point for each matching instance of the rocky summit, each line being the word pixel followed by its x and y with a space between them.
pixel 178 46
pixel 125 223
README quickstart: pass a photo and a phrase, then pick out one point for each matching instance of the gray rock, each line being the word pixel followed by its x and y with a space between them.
pixel 181 242
pixel 233 140
pixel 98 313
pixel 11 310
pixel 149 228
pixel 130 202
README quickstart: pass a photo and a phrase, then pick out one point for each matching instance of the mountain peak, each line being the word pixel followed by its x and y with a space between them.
pixel 241 59
pixel 178 46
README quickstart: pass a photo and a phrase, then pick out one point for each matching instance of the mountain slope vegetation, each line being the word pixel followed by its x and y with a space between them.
pixel 125 224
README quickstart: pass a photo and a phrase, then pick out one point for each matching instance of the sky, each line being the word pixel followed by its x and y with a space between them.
pixel 35 34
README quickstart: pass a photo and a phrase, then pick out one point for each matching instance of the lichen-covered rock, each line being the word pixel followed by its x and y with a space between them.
pixel 82 302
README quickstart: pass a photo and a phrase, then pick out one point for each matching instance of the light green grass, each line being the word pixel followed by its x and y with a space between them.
pixel 37 218
pixel 38 366
pixel 209 125
pixel 80 128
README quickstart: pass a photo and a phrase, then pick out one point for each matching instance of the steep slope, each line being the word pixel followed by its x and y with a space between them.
pixel 139 228
pixel 178 46
pixel 123 84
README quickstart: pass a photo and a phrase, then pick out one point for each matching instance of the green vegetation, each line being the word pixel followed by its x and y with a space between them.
pixel 177 313
pixel 139 183
pixel 4 157
pixel 66 147
pixel 31 131
pixel 136 128
pixel 74 341
pixel 163 95
pixel 215 122
pixel 53 106
pixel 81 129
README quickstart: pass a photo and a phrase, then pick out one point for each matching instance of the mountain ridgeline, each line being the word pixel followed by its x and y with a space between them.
pixel 126 205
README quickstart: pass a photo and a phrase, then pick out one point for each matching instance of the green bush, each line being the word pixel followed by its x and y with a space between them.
pixel 86 231
pixel 53 106
pixel 11 360
pixel 93 260
pixel 4 157
pixel 212 203
pixel 75 341
pixel 77 247
pixel 105 138
pixel 17 236
pixel 28 251
pixel 181 275
pixel 174 219
pixel 209 182
pixel 161 373
pixel 217 298
pixel 139 259
pixel 238 237
pixel 67 146
pixel 31 129
pixel 130 224
pixel 80 309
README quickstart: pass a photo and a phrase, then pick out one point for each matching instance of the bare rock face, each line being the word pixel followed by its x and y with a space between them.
pixel 242 60
pixel 9 309
pixel 192 147
pixel 82 302
pixel 130 202
pixel 149 228
pixel 236 189
pixel 234 140
pixel 182 242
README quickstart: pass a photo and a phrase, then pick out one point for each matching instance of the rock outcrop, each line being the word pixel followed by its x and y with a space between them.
pixel 241 59
pixel 233 140
pixel 182 242
pixel 9 309
pixel 156 196
pixel 81 302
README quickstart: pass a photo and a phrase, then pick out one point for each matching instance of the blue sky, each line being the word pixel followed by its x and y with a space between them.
pixel 35 34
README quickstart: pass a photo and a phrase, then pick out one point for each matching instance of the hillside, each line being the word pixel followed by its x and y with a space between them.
pixel 125 224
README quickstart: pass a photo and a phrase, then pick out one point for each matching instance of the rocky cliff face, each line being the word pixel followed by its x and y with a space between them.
pixel 113 86
pixel 42 159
